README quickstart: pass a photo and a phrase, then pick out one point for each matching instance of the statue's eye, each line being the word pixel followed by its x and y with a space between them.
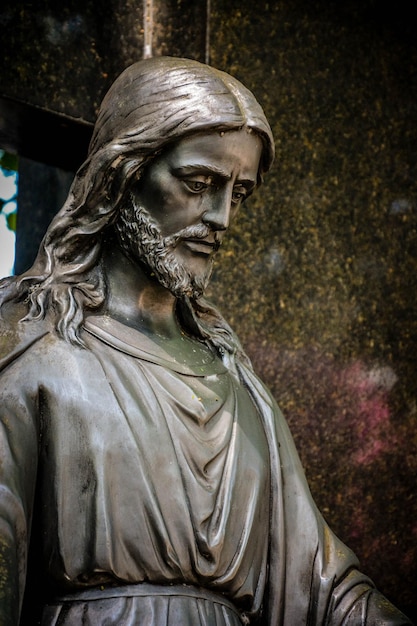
pixel 196 186
pixel 238 196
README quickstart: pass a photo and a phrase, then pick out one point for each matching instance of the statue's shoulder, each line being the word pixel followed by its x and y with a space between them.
pixel 16 335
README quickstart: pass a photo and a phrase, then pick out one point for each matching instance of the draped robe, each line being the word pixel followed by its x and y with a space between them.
pixel 167 495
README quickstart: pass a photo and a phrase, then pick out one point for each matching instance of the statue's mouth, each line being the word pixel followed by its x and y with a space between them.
pixel 202 246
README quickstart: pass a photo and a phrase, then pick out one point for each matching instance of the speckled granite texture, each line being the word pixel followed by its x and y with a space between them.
pixel 63 56
pixel 319 276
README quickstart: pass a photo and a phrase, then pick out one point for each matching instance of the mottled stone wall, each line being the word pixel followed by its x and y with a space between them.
pixel 59 58
pixel 319 275
pixel 63 56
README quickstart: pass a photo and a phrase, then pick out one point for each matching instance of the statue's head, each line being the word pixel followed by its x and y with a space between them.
pixel 158 101
pixel 153 106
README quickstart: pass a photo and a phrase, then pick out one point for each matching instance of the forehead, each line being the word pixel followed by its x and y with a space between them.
pixel 234 153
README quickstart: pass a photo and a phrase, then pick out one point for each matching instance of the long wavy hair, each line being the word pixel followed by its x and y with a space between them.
pixel 152 104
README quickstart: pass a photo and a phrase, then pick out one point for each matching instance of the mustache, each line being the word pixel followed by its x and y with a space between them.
pixel 198 231
pixel 153 231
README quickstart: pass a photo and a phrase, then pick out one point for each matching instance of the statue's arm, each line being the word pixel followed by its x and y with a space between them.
pixel 356 603
pixel 340 592
pixel 314 577
pixel 18 466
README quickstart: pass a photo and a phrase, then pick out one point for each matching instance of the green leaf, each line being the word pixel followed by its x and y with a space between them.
pixel 9 161
pixel 12 220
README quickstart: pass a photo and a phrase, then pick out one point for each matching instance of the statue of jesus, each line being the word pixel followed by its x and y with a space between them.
pixel 147 476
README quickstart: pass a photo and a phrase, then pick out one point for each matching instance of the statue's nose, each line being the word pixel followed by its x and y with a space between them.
pixel 217 213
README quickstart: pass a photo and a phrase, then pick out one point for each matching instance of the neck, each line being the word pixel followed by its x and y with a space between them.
pixel 135 299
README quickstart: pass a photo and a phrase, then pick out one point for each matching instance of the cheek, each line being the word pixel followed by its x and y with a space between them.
pixel 180 211
pixel 164 191
pixel 176 219
pixel 166 199
pixel 159 200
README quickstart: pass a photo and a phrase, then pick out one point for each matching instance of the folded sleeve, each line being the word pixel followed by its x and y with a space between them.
pixel 355 602
pixel 314 579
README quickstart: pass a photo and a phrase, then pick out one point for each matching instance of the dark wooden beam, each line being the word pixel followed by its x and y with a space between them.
pixel 43 135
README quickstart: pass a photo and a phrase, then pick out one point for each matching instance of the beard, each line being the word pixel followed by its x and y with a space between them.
pixel 141 239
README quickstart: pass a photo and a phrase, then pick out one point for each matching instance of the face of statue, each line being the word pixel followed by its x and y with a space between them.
pixel 188 197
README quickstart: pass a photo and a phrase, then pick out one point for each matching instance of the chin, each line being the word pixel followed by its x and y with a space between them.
pixel 191 286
